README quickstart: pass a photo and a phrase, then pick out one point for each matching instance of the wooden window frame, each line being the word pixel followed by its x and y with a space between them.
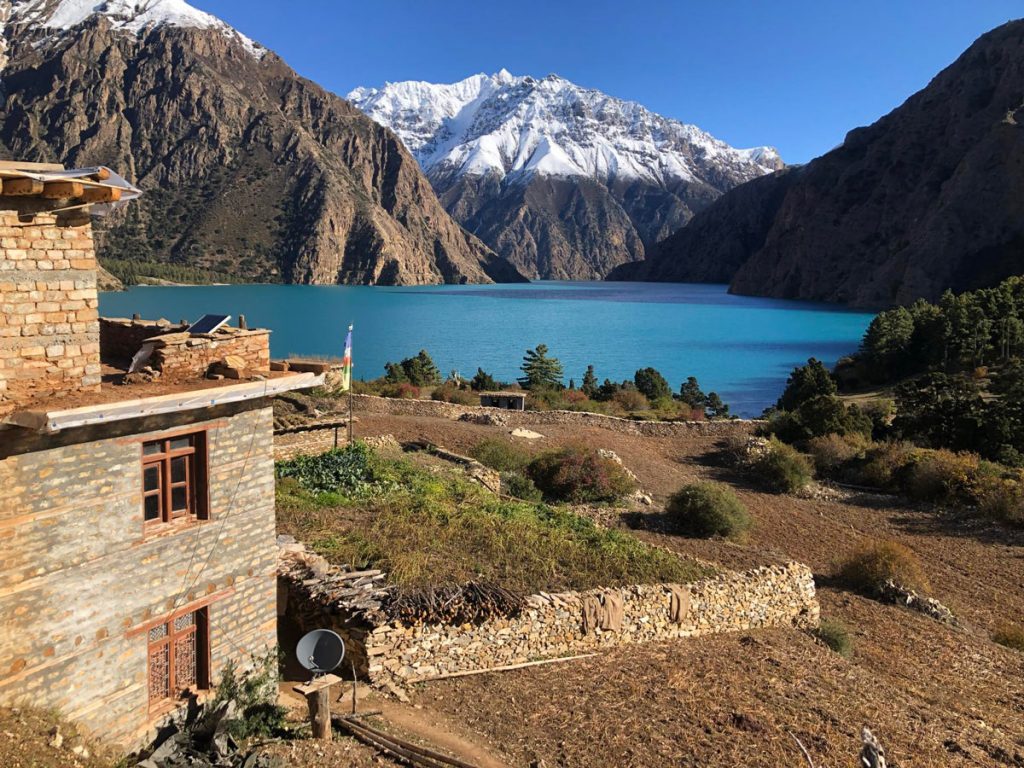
pixel 195 481
pixel 200 627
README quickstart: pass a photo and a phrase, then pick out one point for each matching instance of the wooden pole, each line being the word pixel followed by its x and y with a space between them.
pixel 318 699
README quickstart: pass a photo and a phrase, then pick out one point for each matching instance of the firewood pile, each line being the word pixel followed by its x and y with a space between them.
pixel 360 593
pixel 470 603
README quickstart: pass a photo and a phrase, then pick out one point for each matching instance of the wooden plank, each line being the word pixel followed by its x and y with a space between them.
pixel 22 186
pixel 317 684
pixel 101 194
pixel 18 165
pixel 62 190
pixel 43 420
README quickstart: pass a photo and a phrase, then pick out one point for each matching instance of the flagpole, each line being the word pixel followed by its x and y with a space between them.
pixel 351 371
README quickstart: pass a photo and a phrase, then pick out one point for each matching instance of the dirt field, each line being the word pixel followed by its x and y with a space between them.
pixel 933 694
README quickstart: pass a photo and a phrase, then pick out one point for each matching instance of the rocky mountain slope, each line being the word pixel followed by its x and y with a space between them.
pixel 563 181
pixel 248 169
pixel 925 199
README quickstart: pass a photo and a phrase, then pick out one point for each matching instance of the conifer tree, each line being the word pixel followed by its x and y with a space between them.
pixel 540 371
pixel 589 385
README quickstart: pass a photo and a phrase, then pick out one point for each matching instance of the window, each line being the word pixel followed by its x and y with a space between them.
pixel 179 653
pixel 174 479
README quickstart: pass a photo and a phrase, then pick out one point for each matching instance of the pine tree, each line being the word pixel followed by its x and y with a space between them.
pixel 483 381
pixel 589 385
pixel 714 408
pixel 540 371
pixel 806 382
pixel 651 384
pixel 691 393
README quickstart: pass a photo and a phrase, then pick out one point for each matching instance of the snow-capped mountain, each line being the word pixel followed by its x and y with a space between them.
pixel 134 16
pixel 249 170
pixel 565 181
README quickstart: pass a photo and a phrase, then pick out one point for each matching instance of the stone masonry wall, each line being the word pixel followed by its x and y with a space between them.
pixel 551 625
pixel 371 404
pixel 79 577
pixel 182 354
pixel 391 653
pixel 49 334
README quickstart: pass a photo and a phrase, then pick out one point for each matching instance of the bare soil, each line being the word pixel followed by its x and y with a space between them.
pixel 935 695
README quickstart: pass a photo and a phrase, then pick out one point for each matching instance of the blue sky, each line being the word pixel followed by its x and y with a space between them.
pixel 796 75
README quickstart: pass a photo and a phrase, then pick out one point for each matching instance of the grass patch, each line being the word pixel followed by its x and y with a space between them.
pixel 836 636
pixel 427 529
pixel 502 455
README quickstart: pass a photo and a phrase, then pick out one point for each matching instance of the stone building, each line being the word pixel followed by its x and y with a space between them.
pixel 512 401
pixel 136 511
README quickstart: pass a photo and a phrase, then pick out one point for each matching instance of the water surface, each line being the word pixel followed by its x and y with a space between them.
pixel 742 347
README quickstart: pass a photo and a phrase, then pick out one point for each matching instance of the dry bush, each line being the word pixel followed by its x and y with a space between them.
pixel 1001 499
pixel 873 565
pixel 1009 634
pixel 630 400
pixel 942 476
pixel 578 474
pixel 450 393
pixel 832 452
pixel 709 509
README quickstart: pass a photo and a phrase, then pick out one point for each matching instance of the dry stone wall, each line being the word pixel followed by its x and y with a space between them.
pixel 371 404
pixel 182 354
pixel 390 653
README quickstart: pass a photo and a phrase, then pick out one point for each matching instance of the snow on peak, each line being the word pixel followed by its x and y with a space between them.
pixel 134 16
pixel 517 126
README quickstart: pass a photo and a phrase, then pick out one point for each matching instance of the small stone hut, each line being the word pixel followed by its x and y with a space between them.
pixel 510 401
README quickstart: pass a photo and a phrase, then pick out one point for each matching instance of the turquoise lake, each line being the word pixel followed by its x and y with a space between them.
pixel 741 347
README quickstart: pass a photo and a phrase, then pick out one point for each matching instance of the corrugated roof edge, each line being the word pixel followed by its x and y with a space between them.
pixel 53 421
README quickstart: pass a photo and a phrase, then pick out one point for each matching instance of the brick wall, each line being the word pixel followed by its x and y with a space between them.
pixel 49 333
pixel 79 578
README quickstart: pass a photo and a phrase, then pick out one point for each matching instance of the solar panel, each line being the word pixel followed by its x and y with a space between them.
pixel 208 323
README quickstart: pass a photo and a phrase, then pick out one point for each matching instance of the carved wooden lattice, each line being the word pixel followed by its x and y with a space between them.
pixel 185 661
pixel 159 672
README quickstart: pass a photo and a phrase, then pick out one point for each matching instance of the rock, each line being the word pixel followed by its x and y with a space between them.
pixel 526 434
pixel 56 740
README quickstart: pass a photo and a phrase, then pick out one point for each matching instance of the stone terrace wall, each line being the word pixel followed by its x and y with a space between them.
pixel 776 596
pixel 390 653
pixel 370 404
pixel 49 339
pixel 182 354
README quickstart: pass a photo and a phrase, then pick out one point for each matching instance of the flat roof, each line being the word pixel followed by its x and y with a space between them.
pixel 109 404
pixel 510 393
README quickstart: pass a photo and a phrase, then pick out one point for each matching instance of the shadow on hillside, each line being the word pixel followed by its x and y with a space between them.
pixel 939 522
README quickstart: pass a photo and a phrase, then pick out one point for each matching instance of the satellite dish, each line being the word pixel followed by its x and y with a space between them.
pixel 320 651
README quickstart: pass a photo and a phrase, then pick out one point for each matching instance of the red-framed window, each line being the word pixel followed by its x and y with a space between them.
pixel 179 657
pixel 174 479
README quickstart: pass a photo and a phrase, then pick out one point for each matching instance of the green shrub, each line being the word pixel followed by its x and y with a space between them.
pixel 501 454
pixel 578 474
pixel 709 509
pixel 450 393
pixel 833 452
pixel 835 635
pixel 782 468
pixel 255 693
pixel 1009 634
pixel 519 485
pixel 345 470
pixel 873 565
pixel 884 465
pixel 942 476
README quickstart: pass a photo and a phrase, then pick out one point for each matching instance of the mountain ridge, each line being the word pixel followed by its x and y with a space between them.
pixel 247 167
pixel 922 200
pixel 564 181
